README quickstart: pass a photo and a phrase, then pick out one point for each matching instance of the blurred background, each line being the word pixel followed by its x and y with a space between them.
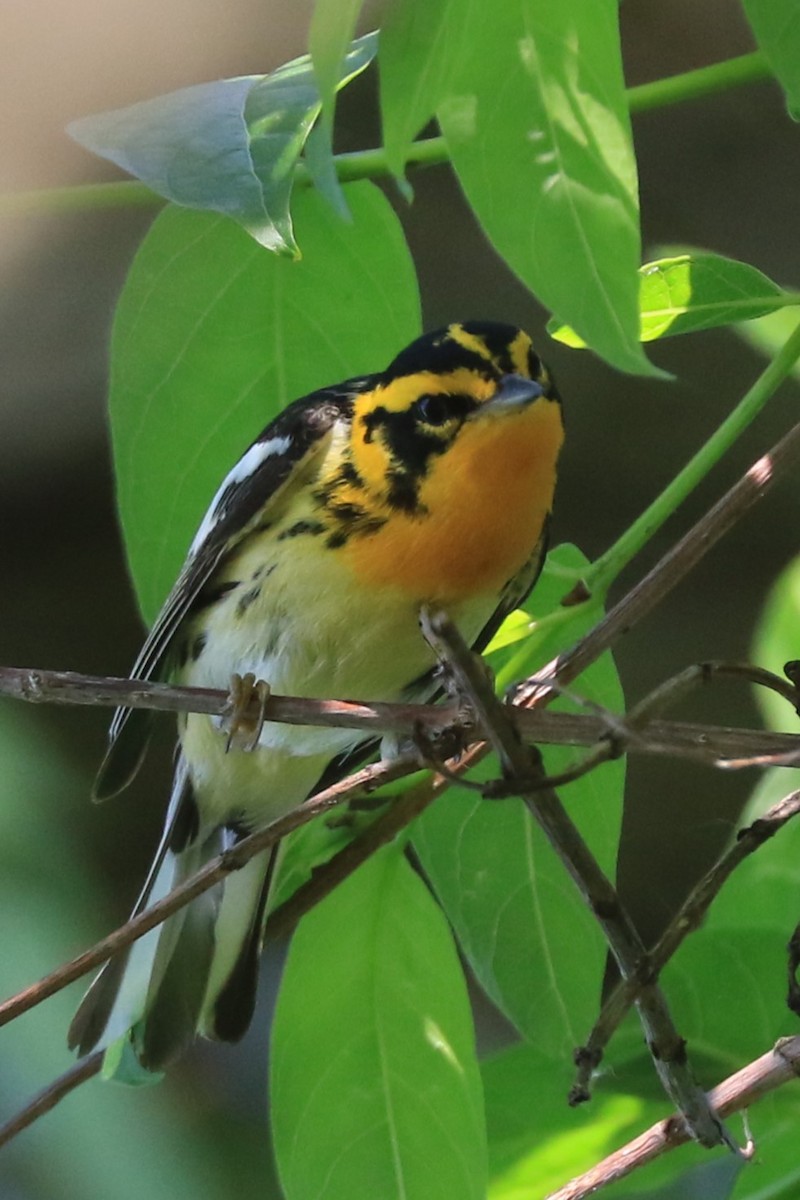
pixel 722 173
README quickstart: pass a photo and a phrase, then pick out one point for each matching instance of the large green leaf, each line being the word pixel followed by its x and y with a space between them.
pixel 375 1087
pixel 776 24
pixel 212 337
pixel 519 919
pixel 689 292
pixel 538 129
pixel 229 147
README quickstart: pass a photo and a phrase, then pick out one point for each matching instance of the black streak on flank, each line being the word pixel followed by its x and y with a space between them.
pixel 300 527
pixel 246 600
pixel 198 646
pixel 210 594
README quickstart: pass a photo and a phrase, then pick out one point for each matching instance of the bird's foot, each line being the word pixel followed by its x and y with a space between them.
pixel 245 711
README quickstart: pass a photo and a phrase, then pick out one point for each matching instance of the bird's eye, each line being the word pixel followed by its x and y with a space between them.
pixel 434 410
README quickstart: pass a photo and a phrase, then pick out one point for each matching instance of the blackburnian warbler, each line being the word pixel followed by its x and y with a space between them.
pixel 430 482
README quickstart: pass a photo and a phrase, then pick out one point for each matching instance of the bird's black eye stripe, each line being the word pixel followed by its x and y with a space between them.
pixel 439 408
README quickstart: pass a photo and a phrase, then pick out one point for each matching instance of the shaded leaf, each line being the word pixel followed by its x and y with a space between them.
pixel 768 334
pixel 690 292
pixel 707 1181
pixel 420 49
pixel 229 147
pixel 213 337
pixel 375 1087
pixel 777 641
pixel 776 24
pixel 332 26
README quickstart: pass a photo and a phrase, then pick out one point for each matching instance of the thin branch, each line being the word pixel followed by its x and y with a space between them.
pixel 739 1091
pixel 701 675
pixel 706 743
pixel 49 1097
pixel 688 918
pixel 521 763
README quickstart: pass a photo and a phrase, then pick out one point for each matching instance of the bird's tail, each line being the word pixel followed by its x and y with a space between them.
pixel 197 972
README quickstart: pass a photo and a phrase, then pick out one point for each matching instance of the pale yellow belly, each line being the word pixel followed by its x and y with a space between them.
pixel 304 627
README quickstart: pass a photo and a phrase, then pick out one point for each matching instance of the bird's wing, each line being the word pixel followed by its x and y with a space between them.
pixel 258 481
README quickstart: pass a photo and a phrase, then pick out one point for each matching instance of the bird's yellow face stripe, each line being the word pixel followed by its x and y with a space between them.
pixel 371 453
pixel 484 504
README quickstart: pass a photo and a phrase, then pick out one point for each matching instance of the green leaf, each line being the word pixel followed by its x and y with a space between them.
pixel 777 641
pixel 332 26
pixel 418 55
pixel 213 337
pixel 228 147
pixel 769 334
pixel 375 1088
pixel 689 292
pixel 707 1181
pixel 518 917
pixel 536 1142
pixel 776 25
pixel 538 129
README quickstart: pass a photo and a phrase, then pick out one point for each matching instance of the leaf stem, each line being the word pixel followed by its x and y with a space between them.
pixel 704 81
pixel 372 164
pixel 605 569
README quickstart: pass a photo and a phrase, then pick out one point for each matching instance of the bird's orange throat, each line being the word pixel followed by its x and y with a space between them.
pixel 483 508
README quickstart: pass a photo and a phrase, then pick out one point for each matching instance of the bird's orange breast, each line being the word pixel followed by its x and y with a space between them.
pixel 484 505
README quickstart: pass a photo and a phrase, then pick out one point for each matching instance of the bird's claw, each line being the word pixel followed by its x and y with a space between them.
pixel 243 727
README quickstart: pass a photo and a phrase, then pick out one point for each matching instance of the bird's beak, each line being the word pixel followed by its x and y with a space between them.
pixel 514 392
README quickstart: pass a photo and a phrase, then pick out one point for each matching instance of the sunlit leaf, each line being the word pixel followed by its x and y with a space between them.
pixel 538 129
pixel 690 292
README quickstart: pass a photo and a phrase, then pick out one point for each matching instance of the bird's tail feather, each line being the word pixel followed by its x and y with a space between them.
pixel 197 971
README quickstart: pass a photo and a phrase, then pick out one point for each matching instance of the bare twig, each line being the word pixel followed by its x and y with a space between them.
pixel 688 918
pixel 739 1091
pixel 48 1098
pixel 701 675
pixel 522 764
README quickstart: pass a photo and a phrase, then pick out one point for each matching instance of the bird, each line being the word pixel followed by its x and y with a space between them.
pixel 430 482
